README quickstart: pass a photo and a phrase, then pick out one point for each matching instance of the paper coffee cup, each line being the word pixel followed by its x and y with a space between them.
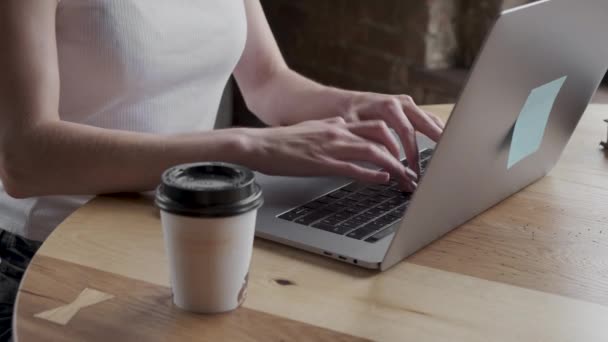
pixel 208 214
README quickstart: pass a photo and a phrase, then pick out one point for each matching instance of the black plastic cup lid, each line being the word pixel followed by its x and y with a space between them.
pixel 210 189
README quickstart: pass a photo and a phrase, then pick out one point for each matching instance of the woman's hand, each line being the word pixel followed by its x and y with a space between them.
pixel 328 148
pixel 401 114
pixel 280 96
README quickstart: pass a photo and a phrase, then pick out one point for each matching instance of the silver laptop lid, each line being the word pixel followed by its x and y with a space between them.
pixel 532 82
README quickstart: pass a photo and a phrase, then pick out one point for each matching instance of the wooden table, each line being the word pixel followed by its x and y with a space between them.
pixel 534 268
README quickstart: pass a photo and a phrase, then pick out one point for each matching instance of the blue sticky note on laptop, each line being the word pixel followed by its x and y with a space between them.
pixel 530 126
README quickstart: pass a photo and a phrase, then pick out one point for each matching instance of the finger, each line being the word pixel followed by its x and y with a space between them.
pixel 351 170
pixel 419 119
pixel 438 121
pixel 377 155
pixel 397 119
pixel 335 120
pixel 378 132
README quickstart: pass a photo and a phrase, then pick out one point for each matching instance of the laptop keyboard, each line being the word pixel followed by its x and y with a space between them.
pixel 357 210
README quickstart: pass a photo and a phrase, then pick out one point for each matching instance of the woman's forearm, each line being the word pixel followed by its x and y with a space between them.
pixel 289 98
pixel 65 158
pixel 276 94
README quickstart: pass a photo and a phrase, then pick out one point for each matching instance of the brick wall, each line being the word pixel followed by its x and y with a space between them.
pixel 358 44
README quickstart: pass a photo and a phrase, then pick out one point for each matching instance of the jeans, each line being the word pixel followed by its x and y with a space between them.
pixel 15 254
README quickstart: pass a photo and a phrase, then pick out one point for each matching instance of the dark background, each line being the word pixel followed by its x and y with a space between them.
pixel 423 48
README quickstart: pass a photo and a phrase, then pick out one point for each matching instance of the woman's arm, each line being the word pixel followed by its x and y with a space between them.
pixel 275 93
pixel 280 96
pixel 42 155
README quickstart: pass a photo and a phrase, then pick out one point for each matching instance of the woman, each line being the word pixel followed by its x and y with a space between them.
pixel 101 96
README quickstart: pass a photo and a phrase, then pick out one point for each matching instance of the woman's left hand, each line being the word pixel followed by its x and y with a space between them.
pixel 401 114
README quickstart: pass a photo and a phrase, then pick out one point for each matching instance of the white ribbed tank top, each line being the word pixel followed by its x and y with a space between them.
pixel 139 65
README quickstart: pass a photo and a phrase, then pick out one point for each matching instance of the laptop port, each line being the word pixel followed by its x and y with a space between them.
pixel 327 253
pixel 342 258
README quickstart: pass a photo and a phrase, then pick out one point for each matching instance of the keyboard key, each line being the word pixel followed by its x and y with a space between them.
pixel 381 234
pixel 367 192
pixel 400 210
pixel 379 187
pixel 349 225
pixel 357 197
pixel 392 204
pixel 387 220
pixel 406 195
pixel 345 202
pixel 325 199
pixel 392 193
pixel 313 217
pixel 331 220
pixel 343 215
pixel 368 203
pixel 375 225
pixel 376 212
pixel 354 222
pixel 426 154
pixel 385 207
pixel 357 221
pixel 396 214
pixel 314 205
pixel 295 213
pixel 385 195
pixel 323 226
pixel 362 232
pixel 353 187
pixel 396 201
pixel 338 194
pixel 301 210
pixel 334 208
pixel 353 211
pixel 289 216
pixel 379 198
pixel 360 207
pixel 342 228
pixel 337 206
pixel 366 216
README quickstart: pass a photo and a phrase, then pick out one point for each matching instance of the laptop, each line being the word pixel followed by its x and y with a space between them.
pixel 536 74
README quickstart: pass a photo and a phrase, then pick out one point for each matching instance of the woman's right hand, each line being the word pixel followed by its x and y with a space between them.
pixel 329 147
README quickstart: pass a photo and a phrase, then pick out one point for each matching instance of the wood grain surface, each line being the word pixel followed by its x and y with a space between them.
pixel 63 314
pixel 139 311
pixel 534 268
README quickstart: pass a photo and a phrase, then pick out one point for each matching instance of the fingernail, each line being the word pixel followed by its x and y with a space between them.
pixel 386 177
pixel 411 174
pixel 408 187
